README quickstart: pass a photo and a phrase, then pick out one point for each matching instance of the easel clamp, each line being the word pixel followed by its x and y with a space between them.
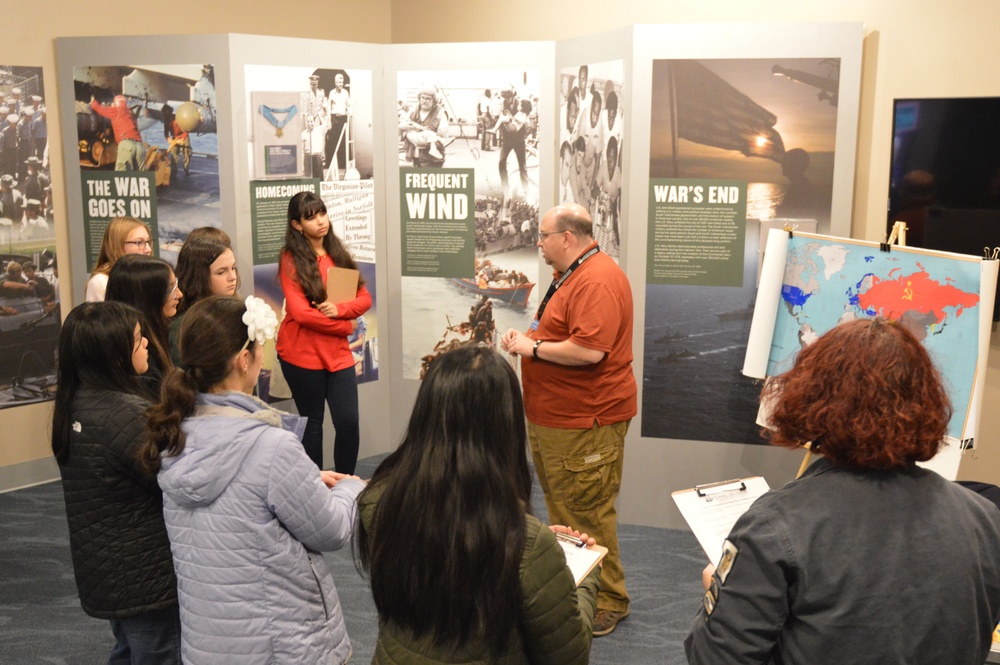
pixel 722 486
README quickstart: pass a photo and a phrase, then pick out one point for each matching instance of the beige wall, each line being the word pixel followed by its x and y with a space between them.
pixel 912 49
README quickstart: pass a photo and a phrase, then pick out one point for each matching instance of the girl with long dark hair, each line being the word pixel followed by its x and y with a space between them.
pixel 312 346
pixel 460 569
pixel 118 541
pixel 206 266
pixel 148 284
pixel 247 512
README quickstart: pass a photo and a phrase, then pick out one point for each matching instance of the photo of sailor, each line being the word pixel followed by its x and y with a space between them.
pixel 590 118
pixel 485 121
pixel 24 166
pixel 316 111
pixel 425 131
pixel 338 139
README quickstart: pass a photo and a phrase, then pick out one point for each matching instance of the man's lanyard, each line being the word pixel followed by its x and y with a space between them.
pixel 562 278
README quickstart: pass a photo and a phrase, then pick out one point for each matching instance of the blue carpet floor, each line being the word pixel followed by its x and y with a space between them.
pixel 41 620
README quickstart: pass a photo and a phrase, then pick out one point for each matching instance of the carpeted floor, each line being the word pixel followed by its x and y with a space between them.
pixel 41 620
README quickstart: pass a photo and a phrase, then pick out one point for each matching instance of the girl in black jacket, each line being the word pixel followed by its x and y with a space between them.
pixel 121 555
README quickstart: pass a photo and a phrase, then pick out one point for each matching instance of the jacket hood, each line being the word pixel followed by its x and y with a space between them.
pixel 218 438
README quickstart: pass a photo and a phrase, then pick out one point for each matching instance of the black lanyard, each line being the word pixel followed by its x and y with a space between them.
pixel 562 278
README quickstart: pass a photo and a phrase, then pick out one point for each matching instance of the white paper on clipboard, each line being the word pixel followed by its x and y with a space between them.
pixel 712 510
pixel 581 560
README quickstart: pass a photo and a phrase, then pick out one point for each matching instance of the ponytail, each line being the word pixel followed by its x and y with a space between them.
pixel 212 333
pixel 163 420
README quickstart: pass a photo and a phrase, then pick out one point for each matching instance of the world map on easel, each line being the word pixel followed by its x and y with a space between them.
pixel 937 297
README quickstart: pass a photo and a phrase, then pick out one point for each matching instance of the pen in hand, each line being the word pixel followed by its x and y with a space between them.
pixel 571 539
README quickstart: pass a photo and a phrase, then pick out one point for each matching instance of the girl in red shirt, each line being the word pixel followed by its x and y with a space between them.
pixel 312 341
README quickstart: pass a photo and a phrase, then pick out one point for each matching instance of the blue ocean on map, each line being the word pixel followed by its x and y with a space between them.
pixel 829 281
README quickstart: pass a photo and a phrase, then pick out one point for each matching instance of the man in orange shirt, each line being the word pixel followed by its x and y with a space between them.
pixel 580 392
pixel 131 150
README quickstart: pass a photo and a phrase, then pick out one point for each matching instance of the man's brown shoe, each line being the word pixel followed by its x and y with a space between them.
pixel 605 621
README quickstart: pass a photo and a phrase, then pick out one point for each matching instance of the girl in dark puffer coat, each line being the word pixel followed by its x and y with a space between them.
pixel 121 554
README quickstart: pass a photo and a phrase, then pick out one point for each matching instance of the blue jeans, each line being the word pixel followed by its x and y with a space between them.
pixel 310 388
pixel 151 638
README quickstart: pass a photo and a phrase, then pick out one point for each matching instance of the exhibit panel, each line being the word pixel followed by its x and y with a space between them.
pixel 297 141
pixel 720 118
pixel 468 174
pixel 143 138
pixel 307 117
pixel 29 273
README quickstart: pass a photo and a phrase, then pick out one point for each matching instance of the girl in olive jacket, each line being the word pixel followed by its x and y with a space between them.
pixel 460 571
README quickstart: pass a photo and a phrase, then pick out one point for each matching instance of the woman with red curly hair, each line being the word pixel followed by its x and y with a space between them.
pixel 867 558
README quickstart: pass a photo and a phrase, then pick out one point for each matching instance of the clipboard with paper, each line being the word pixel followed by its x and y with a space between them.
pixel 580 559
pixel 711 510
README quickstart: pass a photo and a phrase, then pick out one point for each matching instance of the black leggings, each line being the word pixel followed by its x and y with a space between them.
pixel 310 388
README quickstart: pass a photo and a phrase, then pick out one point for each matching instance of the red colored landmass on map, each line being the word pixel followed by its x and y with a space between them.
pixel 912 294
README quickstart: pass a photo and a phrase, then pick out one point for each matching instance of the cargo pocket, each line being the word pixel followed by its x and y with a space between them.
pixel 588 478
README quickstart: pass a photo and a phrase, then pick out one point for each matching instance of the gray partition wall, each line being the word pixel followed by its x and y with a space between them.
pixel 414 311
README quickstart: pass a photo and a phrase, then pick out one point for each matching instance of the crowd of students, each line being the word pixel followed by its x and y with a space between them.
pixel 198 513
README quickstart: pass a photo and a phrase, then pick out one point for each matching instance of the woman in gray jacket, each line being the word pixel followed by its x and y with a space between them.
pixel 247 512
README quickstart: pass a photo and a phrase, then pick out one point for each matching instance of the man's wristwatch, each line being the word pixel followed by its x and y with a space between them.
pixel 534 350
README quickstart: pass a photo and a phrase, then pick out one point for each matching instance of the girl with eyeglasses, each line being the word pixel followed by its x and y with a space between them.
pixel 148 284
pixel 123 235
pixel 118 540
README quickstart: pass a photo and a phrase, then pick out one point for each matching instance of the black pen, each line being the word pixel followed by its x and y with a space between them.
pixel 570 539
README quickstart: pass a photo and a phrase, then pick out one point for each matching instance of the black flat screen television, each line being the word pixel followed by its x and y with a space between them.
pixel 945 175
pixel 952 146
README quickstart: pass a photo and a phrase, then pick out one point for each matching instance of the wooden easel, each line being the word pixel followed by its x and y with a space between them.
pixel 897 236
